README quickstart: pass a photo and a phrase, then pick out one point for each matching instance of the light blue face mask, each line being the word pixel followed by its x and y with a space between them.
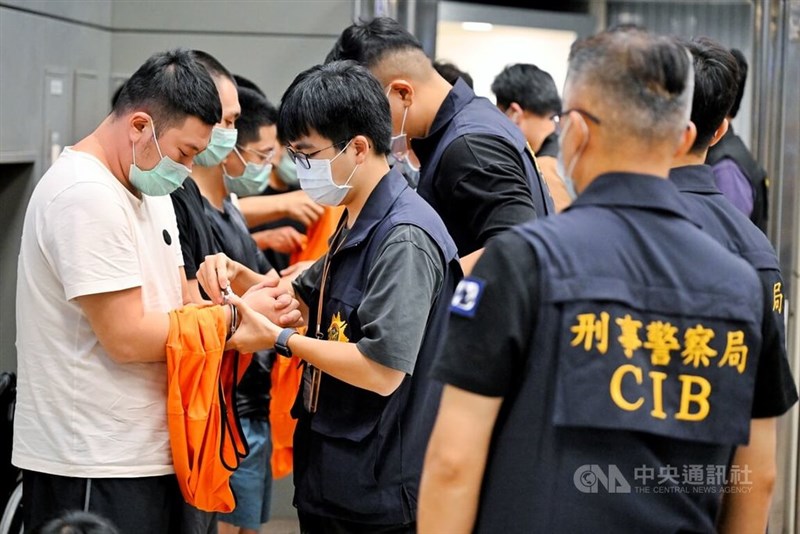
pixel 287 171
pixel 252 181
pixel 222 142
pixel 163 179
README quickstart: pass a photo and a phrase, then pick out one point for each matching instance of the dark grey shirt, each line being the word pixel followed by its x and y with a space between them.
pixel 401 287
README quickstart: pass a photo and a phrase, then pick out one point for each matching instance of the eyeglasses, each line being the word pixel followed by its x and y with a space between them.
pixel 262 156
pixel 301 158
pixel 558 116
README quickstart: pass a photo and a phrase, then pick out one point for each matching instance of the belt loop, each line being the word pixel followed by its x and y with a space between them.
pixel 88 494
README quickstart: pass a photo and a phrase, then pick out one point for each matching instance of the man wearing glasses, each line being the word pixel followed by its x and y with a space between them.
pixel 376 306
pixel 620 381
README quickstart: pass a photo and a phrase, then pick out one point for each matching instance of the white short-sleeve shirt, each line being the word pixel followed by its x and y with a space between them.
pixel 79 413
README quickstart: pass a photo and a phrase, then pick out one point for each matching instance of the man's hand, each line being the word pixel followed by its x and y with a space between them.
pixel 285 240
pixel 296 269
pixel 274 303
pixel 219 272
pixel 255 332
pixel 299 206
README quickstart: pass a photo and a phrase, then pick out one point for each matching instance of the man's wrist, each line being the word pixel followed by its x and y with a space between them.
pixel 282 342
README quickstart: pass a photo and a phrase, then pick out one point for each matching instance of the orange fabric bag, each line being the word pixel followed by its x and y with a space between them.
pixel 204 432
pixel 286 372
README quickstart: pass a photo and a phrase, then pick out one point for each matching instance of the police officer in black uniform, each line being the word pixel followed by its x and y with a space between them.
pixel 475 167
pixel 715 84
pixel 601 364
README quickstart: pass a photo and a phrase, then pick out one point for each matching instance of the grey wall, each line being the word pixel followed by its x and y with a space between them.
pixel 71 42
pixel 267 41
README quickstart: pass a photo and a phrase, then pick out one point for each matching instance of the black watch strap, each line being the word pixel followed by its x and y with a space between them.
pixel 282 342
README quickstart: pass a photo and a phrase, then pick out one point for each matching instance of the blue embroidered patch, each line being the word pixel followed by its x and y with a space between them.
pixel 467 296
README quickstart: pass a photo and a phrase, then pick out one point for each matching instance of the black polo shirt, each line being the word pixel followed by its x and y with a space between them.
pixel 480 182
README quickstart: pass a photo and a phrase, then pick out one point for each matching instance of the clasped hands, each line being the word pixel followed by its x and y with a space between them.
pixel 264 309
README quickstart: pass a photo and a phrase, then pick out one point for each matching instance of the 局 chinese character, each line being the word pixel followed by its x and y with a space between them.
pixel 735 351
pixel 777 297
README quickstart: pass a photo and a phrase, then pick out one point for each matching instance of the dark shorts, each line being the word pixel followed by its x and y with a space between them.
pixel 133 505
pixel 315 524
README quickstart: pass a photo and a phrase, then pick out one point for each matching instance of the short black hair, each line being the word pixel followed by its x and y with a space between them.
pixel 530 87
pixel 741 62
pixel 338 100
pixel 256 112
pixel 170 87
pixel 366 42
pixel 115 95
pixel 77 523
pixel 451 73
pixel 241 81
pixel 212 65
pixel 715 86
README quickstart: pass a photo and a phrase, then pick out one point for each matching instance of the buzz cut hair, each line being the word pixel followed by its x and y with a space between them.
pixel 643 82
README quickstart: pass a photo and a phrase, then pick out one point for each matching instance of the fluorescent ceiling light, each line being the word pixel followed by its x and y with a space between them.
pixel 476 26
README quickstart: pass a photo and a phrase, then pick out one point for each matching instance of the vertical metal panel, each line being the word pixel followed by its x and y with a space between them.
pixel 730 23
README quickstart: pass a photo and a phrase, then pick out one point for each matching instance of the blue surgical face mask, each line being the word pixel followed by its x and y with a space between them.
pixel 287 171
pixel 222 142
pixel 318 182
pixel 163 179
pixel 253 180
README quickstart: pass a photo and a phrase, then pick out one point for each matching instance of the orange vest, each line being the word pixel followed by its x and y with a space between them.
pixel 204 432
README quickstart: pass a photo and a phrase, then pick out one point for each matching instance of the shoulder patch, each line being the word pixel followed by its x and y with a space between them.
pixel 467 296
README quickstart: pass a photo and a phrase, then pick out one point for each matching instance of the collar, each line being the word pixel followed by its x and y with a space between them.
pixel 630 190
pixel 458 97
pixel 378 204
pixel 694 179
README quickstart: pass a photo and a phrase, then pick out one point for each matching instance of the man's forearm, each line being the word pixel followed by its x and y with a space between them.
pixel 452 475
pixel 745 507
pixel 345 362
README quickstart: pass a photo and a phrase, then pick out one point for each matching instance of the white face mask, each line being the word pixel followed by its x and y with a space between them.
pixel 565 172
pixel 318 182
pixel 398 145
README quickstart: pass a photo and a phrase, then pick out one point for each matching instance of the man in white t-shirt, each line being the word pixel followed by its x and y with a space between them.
pixel 99 268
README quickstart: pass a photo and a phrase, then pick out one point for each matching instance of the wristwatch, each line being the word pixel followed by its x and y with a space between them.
pixel 282 342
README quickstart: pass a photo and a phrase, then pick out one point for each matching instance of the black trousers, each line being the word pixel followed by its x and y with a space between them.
pixel 134 505
pixel 316 524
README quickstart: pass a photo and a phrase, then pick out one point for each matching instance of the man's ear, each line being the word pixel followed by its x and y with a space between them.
pixel 404 90
pixel 720 132
pixel 362 147
pixel 686 140
pixel 515 113
pixel 139 125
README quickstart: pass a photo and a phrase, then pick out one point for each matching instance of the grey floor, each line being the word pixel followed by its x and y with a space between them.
pixel 284 517
pixel 281 526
